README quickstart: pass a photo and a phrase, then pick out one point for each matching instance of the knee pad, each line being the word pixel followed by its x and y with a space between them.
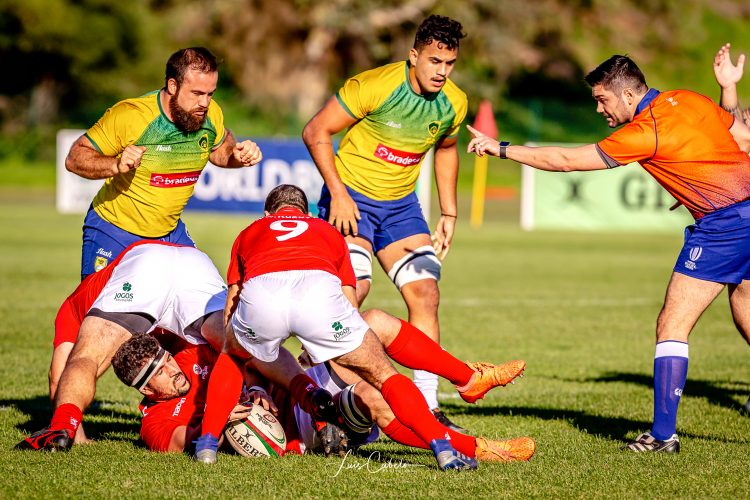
pixel 419 264
pixel 361 262
pixel 354 418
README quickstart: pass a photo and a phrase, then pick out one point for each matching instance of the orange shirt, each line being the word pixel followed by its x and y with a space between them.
pixel 682 139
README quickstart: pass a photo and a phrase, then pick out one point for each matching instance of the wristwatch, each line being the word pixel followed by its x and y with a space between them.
pixel 503 145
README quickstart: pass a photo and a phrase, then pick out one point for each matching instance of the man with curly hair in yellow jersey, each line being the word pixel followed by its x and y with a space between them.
pixel 395 114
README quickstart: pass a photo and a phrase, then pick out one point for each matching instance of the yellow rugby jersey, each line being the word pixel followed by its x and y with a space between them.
pixel 149 200
pixel 380 155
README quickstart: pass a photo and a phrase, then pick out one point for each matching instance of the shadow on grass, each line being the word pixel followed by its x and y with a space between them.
pixel 706 389
pixel 617 428
pixel 102 420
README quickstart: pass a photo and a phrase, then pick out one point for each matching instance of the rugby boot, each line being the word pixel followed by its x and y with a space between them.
pixel 206 448
pixel 488 376
pixel 47 440
pixel 444 420
pixel 648 443
pixel 448 458
pixel 333 439
pixel 510 450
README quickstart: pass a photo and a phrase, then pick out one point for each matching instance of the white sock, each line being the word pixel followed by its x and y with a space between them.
pixel 427 383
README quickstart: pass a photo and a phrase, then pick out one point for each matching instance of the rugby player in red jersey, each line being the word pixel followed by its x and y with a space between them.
pixel 699 153
pixel 151 285
pixel 173 378
pixel 290 273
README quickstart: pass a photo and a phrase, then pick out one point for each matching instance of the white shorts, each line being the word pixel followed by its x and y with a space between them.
pixel 173 285
pixel 307 304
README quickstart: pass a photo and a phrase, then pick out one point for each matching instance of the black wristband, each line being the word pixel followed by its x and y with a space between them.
pixel 449 215
pixel 503 145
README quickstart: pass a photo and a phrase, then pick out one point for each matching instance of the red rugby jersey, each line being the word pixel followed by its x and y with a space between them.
pixel 289 240
pixel 160 419
pixel 682 139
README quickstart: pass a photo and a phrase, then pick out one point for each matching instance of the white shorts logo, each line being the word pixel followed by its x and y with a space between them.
pixel 678 392
pixel 695 254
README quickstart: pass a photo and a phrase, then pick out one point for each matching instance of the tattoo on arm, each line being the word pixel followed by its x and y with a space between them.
pixel 734 110
pixel 321 143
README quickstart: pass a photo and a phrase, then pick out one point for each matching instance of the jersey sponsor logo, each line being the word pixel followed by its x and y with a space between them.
pixel 340 331
pixel 396 157
pixel 694 255
pixel 201 371
pixel 178 407
pixel 392 124
pixel 162 147
pixel 125 295
pixel 175 180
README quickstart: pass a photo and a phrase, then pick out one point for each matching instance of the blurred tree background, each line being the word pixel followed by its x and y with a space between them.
pixel 66 61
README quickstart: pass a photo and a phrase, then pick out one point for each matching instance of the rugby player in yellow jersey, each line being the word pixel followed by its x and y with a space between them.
pixel 151 151
pixel 395 114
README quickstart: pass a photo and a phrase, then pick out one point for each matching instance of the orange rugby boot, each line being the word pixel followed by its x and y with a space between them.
pixel 510 450
pixel 488 376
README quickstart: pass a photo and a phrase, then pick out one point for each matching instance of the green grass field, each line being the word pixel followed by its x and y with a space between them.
pixel 579 308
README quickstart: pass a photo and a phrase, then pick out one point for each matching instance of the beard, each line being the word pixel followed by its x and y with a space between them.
pixel 184 120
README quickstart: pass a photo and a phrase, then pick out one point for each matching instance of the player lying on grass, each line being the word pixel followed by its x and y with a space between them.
pixel 290 274
pixel 150 285
pixel 174 389
pixel 698 152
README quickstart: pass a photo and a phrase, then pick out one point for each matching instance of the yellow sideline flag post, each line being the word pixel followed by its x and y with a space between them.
pixel 485 123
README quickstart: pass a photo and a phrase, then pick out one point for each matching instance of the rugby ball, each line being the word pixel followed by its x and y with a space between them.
pixel 260 434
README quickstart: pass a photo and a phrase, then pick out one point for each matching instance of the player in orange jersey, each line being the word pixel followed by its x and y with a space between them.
pixel 698 152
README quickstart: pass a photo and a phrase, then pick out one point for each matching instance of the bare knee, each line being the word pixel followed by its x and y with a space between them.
pixel 385 326
pixel 422 295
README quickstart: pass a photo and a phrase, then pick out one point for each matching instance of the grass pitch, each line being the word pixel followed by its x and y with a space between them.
pixel 579 308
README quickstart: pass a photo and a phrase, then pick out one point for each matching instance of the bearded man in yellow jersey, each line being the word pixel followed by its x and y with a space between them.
pixel 151 151
pixel 395 114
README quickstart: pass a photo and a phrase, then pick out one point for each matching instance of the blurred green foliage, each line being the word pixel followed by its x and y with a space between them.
pixel 71 59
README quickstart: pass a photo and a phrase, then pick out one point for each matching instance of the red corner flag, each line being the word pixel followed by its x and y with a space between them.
pixel 485 120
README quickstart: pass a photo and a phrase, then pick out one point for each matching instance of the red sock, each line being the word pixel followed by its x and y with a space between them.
pixel 410 408
pixel 413 349
pixel 402 434
pixel 224 389
pixel 68 417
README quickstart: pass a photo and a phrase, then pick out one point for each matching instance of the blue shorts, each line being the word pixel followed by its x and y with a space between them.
pixel 382 222
pixel 717 246
pixel 103 241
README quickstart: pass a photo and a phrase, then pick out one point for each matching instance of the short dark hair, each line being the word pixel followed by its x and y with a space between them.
pixel 132 355
pixel 198 58
pixel 285 195
pixel 617 73
pixel 441 29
